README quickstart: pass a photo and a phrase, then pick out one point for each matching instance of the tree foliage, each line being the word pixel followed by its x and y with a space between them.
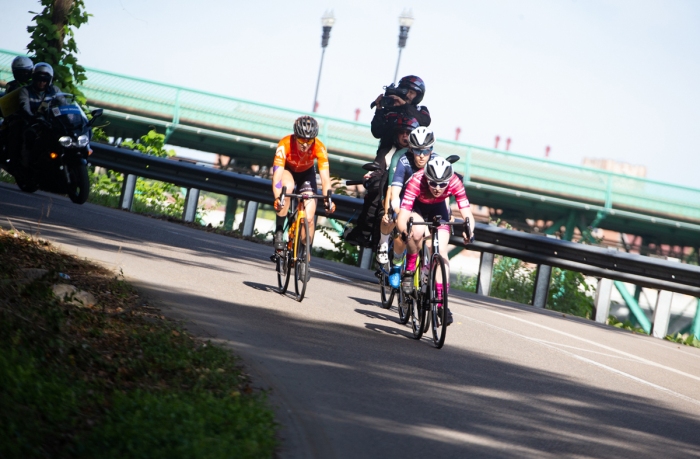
pixel 53 41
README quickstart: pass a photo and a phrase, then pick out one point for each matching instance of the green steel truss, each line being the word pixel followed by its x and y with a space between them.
pixel 211 122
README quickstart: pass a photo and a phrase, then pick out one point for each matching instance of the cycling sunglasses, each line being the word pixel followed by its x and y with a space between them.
pixel 437 185
pixel 305 141
pixel 424 152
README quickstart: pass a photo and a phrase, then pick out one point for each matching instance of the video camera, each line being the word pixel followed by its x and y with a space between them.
pixel 391 90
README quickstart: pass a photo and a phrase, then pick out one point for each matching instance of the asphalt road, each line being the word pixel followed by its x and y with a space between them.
pixel 348 381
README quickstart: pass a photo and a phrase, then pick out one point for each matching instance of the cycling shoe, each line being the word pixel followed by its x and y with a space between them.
pixel 395 276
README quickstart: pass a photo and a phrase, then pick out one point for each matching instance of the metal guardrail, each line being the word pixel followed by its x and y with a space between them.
pixel 198 177
pixel 663 274
pixel 606 264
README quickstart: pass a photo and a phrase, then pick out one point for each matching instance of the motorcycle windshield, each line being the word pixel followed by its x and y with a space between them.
pixel 71 115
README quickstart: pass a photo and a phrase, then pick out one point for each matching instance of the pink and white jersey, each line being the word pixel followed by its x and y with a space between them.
pixel 417 188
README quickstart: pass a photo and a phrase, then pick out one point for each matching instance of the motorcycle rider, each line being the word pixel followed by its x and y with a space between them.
pixel 22 68
pixel 382 126
pixel 33 99
pixel 375 183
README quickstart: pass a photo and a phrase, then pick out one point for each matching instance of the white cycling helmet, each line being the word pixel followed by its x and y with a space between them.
pixel 438 170
pixel 421 138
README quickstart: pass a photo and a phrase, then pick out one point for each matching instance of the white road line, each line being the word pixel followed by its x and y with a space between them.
pixel 325 273
pixel 592 362
pixel 569 335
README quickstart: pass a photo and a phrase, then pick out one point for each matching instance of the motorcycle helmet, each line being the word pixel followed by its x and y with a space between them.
pixel 421 138
pixel 438 170
pixel 22 68
pixel 415 83
pixel 405 123
pixel 43 72
pixel 305 127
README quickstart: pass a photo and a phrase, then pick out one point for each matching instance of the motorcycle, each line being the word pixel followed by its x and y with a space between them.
pixel 60 151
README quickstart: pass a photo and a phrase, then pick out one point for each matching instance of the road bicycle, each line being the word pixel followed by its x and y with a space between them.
pixel 425 297
pixel 296 253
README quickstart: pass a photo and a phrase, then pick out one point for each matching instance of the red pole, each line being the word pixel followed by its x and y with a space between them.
pixel 497 139
pixel 357 114
pixel 315 107
pixel 546 152
pixel 457 131
pixel 508 144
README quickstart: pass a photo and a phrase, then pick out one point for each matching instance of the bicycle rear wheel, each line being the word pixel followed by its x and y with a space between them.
pixel 438 315
pixel 404 306
pixel 303 260
pixel 284 269
pixel 385 290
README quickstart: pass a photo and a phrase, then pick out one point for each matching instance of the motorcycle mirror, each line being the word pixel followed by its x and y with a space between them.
pixel 371 167
pixel 452 159
pixel 97 112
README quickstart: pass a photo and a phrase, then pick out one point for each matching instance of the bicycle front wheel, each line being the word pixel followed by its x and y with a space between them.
pixel 303 259
pixel 438 300
pixel 284 269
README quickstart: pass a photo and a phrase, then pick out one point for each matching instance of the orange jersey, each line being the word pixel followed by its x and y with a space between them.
pixel 289 156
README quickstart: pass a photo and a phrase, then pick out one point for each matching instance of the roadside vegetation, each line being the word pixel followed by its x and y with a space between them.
pixel 88 368
pixel 569 293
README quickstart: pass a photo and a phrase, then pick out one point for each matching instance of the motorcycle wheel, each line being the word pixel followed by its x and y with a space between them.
pixel 79 188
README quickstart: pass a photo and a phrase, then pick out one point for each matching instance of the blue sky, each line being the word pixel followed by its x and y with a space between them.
pixel 600 79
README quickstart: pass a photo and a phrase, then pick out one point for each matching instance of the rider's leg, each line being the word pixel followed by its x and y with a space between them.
pixel 385 230
pixel 287 181
pixel 415 242
pixel 310 206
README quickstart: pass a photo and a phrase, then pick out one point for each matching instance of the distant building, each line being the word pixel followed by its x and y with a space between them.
pixel 615 166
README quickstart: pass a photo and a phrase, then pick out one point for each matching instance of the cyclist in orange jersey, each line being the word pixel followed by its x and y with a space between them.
pixel 293 168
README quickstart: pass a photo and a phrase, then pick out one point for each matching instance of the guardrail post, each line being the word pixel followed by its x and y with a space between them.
pixel 191 201
pixel 695 327
pixel 543 276
pixel 366 258
pixel 662 312
pixel 126 200
pixel 230 216
pixel 602 300
pixel 249 215
pixel 483 280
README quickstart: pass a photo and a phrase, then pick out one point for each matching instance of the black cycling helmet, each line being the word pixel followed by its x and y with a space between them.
pixel 415 83
pixel 305 127
pixel 22 68
pixel 43 72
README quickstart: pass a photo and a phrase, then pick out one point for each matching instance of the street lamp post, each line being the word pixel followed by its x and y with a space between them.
pixel 327 22
pixel 405 23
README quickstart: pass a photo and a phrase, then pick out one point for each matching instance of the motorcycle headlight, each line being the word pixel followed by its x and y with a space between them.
pixel 82 140
pixel 65 141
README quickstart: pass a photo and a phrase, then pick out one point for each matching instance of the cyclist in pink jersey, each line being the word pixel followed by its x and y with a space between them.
pixel 426 195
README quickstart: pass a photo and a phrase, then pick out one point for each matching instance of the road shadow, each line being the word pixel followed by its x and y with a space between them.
pixel 363 392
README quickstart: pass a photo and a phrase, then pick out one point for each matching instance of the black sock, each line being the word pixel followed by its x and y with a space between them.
pixel 280 222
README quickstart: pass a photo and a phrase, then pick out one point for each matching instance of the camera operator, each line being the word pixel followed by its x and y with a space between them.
pixel 402 100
